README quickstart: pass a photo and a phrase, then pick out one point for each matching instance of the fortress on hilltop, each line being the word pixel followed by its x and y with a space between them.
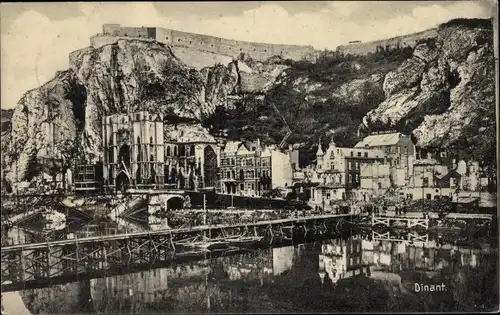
pixel 411 40
pixel 227 47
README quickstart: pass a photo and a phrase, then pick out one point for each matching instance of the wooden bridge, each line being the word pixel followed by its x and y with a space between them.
pixel 23 264
pixel 408 221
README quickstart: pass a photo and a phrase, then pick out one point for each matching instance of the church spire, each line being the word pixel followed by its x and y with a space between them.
pixel 320 151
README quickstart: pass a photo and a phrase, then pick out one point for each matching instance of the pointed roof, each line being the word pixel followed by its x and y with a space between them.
pixel 320 151
pixel 332 143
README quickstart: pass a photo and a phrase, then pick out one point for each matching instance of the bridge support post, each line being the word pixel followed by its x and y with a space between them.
pixel 55 265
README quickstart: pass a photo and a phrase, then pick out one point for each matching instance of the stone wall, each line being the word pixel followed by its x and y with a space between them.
pixel 100 40
pixel 391 43
pixel 227 47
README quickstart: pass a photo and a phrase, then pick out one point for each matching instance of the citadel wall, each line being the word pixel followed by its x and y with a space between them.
pixel 216 45
pixel 399 41
pixel 258 51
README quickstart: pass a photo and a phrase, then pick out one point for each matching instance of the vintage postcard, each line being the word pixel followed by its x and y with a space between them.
pixel 249 157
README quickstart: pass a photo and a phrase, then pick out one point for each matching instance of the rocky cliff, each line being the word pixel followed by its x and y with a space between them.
pixel 445 93
pixel 442 91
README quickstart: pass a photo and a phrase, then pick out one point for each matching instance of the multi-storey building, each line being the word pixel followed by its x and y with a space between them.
pixel 133 151
pixel 338 172
pixel 248 168
pixel 88 178
pixel 142 151
pixel 375 179
pixel 399 150
pixel 192 154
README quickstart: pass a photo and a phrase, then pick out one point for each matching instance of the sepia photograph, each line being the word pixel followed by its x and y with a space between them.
pixel 249 157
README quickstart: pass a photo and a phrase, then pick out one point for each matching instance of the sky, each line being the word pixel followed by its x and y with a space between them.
pixel 36 38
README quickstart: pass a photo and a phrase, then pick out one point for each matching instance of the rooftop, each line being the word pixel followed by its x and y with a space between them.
pixel 379 140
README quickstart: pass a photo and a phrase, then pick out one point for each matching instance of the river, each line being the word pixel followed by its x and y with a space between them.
pixel 349 274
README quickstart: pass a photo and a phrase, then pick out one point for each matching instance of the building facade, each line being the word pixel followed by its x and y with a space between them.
pixel 142 151
pixel 399 150
pixel 249 168
pixel 88 178
pixel 338 172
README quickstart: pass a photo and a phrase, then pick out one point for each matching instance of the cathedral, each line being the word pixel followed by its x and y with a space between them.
pixel 142 151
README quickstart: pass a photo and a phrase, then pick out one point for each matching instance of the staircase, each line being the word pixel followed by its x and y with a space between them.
pixel 127 207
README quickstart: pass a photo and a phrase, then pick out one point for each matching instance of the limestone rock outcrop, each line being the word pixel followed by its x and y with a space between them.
pixel 445 92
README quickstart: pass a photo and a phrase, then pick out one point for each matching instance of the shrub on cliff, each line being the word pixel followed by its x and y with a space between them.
pixel 470 23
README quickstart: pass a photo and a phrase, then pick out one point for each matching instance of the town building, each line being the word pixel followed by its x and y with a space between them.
pixel 399 150
pixel 248 168
pixel 144 151
pixel 432 180
pixel 375 179
pixel 88 178
pixel 338 172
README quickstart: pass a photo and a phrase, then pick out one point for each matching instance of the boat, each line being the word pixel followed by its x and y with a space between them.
pixel 245 241
pixel 208 245
pixel 203 243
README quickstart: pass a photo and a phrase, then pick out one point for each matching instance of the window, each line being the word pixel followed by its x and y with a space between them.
pixel 379 185
pixel 366 154
pixel 168 150
pixel 138 140
pixel 253 186
pixel 151 140
pixel 359 154
pixel 428 196
pixel 352 153
pixel 425 182
pixel 242 186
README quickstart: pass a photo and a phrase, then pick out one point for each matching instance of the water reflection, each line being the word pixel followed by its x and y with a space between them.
pixel 344 275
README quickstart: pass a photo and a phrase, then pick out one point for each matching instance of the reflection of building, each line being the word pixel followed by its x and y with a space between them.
pixel 340 259
pixel 249 266
pixel 142 151
pixel 283 258
pixel 248 168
